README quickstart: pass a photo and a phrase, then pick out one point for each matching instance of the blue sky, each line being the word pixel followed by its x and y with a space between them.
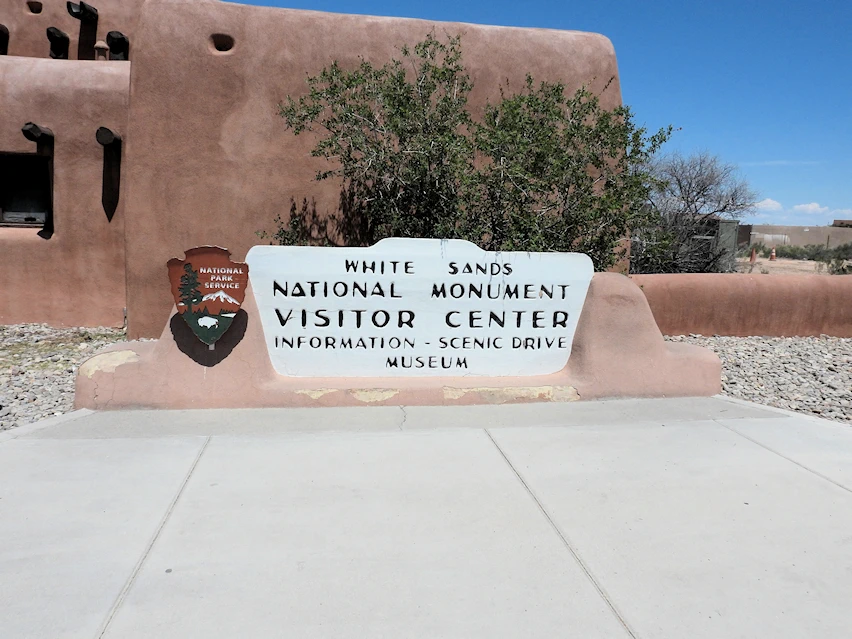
pixel 766 85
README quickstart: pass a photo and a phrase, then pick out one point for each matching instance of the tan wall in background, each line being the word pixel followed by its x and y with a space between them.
pixel 744 304
pixel 75 278
pixel 772 235
pixel 209 159
pixel 27 30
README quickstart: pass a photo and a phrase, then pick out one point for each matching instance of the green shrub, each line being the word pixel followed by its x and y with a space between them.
pixel 542 170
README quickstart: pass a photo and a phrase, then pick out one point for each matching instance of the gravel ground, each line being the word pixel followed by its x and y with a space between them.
pixel 806 374
pixel 810 375
pixel 37 368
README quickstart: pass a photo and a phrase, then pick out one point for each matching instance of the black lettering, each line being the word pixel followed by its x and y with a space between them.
pixel 276 288
pixel 386 319
pixel 406 318
pixel 560 318
pixel 351 266
pixel 283 320
pixel 321 315
pixel 449 323
pixel 439 292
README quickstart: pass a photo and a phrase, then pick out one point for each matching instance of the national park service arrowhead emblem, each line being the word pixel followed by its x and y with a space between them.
pixel 208 289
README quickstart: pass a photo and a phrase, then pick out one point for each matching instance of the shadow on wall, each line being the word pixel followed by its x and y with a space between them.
pixel 88 17
pixel 43 137
pixel 111 183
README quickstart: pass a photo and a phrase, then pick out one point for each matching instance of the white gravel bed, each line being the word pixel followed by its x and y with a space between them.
pixel 810 375
pixel 806 374
pixel 38 365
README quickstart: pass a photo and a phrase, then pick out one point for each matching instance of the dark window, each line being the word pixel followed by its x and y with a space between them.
pixel 25 193
pixel 4 39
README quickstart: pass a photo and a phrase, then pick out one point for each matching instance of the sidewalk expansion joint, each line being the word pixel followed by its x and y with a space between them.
pixel 565 541
pixel 783 456
pixel 138 567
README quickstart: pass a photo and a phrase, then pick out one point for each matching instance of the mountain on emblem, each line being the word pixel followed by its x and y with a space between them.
pixel 222 296
pixel 208 289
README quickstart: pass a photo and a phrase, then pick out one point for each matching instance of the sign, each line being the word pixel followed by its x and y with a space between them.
pixel 417 307
pixel 208 289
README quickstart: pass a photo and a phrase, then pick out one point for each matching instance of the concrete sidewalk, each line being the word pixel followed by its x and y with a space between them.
pixel 674 519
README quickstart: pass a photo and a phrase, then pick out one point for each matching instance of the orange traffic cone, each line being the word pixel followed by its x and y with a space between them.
pixel 753 257
pixel 772 255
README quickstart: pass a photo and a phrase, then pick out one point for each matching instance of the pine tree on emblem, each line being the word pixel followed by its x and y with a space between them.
pixel 189 291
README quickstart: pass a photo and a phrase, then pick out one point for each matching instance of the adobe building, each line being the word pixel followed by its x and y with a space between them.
pixel 132 130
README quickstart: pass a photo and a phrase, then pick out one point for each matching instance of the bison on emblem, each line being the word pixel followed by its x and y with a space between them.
pixel 208 289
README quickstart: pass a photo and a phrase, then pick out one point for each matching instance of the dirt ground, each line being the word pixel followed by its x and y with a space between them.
pixel 782 267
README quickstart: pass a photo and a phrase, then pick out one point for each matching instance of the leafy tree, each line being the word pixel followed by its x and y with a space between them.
pixel 190 295
pixel 559 173
pixel 399 143
pixel 542 170
pixel 689 196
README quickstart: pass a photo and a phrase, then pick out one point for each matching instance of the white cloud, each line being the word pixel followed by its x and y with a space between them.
pixel 768 205
pixel 813 208
pixel 842 212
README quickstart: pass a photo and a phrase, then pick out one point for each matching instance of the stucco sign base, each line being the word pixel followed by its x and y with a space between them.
pixel 618 351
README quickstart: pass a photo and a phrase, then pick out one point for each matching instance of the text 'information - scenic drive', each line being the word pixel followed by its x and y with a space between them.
pixel 417 307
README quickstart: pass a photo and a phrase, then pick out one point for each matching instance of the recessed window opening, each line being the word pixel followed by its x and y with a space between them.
pixel 4 40
pixel 25 193
pixel 222 42
pixel 34 7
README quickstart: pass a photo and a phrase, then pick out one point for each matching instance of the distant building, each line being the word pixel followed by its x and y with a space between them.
pixel 772 235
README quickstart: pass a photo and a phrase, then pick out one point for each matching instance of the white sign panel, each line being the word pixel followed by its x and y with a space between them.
pixel 417 307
